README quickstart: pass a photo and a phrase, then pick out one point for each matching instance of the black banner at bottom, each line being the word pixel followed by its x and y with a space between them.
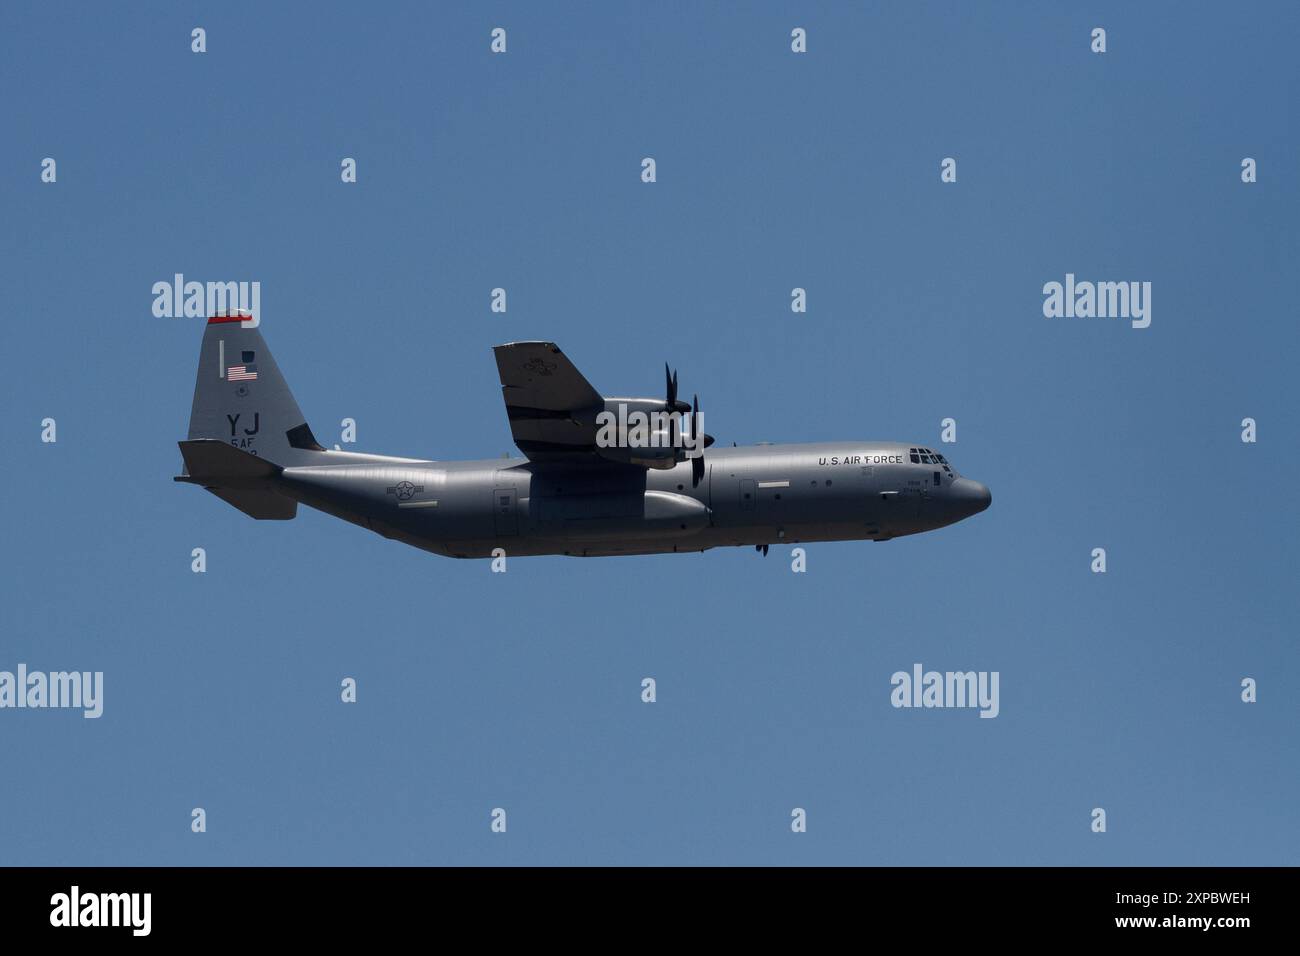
pixel 733 905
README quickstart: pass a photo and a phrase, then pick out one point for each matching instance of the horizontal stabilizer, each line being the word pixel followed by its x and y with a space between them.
pixel 237 478
pixel 213 463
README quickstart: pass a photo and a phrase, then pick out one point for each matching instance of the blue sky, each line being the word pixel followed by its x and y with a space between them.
pixel 775 170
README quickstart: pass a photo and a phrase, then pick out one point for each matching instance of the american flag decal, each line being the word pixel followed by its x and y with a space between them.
pixel 241 373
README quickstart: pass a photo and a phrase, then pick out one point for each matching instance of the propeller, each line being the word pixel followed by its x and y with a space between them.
pixel 697 463
pixel 670 404
pixel 673 404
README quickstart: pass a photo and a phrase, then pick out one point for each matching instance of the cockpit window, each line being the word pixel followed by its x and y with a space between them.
pixel 928 456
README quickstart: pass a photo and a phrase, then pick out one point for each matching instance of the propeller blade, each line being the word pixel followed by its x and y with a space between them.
pixel 670 388
pixel 671 401
pixel 697 463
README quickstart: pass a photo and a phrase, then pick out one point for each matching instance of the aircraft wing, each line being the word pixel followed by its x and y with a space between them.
pixel 552 408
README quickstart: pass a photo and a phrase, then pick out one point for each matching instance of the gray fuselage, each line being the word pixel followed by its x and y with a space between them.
pixel 755 495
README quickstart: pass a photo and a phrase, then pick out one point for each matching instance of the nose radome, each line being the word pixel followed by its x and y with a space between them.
pixel 973 496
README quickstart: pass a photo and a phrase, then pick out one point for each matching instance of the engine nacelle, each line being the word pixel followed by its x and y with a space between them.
pixel 641 431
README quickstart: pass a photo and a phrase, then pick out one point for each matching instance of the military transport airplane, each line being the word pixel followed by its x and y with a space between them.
pixel 574 493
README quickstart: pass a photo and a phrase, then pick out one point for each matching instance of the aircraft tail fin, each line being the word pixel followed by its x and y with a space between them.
pixel 242 400
pixel 238 478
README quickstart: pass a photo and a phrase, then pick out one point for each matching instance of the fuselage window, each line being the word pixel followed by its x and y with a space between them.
pixel 936 479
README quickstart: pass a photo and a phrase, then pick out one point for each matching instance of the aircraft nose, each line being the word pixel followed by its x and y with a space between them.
pixel 971 496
